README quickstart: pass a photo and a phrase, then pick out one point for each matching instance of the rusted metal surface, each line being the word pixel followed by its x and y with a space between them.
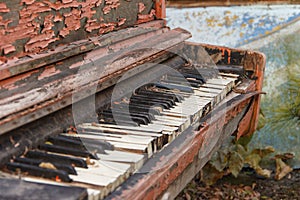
pixel 155 177
pixel 32 26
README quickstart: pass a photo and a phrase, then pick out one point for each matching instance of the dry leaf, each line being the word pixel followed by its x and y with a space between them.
pixel 282 169
pixel 47 165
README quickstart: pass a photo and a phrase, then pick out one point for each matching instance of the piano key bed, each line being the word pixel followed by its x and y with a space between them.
pixel 138 138
pixel 101 155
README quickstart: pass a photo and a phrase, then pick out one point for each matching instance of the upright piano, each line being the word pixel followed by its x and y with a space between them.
pixel 100 99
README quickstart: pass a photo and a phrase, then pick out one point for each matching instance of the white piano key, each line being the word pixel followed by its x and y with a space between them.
pixel 117 130
pixel 135 160
pixel 229 75
pixel 133 128
pixel 121 144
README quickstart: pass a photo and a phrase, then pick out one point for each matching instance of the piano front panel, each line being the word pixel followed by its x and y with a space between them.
pixel 61 22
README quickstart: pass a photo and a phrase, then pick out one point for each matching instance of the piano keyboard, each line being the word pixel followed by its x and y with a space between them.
pixel 101 155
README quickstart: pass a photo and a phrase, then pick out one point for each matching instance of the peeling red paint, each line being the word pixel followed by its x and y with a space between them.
pixel 121 21
pixel 3 8
pixel 141 7
pixel 4 22
pixel 72 21
pixel 58 17
pixel 40 41
pixel 48 71
pixel 10 83
pixel 110 4
pixel 8 49
pixel 67 1
pixel 4 73
pixel 28 2
pixel 56 20
pixel 146 18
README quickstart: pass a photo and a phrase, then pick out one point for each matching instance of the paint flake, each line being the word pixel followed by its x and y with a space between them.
pixel 110 4
pixel 8 49
pixel 3 8
pixel 141 7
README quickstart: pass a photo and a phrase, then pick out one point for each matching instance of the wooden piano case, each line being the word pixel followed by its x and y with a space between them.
pixel 57 63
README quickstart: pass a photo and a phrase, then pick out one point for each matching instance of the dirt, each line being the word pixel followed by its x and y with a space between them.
pixel 248 185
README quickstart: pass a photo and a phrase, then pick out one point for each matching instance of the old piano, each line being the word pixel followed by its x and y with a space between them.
pixel 100 99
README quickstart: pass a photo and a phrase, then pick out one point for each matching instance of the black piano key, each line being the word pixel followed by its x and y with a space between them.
pixel 134 114
pixel 39 171
pixel 169 100
pixel 108 115
pixel 150 109
pixel 205 73
pixel 195 76
pixel 174 87
pixel 151 100
pixel 53 158
pixel 77 144
pixel 90 142
pixel 185 83
pixel 176 98
pixel 163 102
pixel 192 80
pixel 67 150
pixel 146 108
pixel 111 120
pixel 134 110
pixel 67 168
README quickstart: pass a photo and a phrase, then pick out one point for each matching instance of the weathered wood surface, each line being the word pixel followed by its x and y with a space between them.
pixel 29 27
pixel 199 140
pixel 59 82
pixel 47 57
pixel 18 189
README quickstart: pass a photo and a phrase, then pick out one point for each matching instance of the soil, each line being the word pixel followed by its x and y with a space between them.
pixel 248 185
